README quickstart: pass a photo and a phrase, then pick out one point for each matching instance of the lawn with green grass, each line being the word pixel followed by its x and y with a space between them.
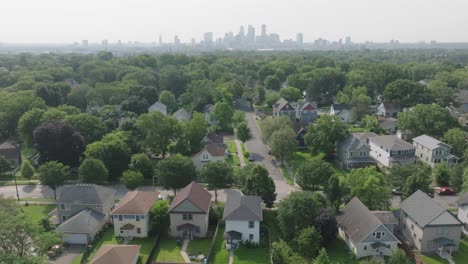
pixel 38 212
pixel 300 157
pixel 232 146
pixel 199 246
pixel 286 175
pixel 30 199
pixel 339 253
pixel 269 220
pixel 168 251
pixel 461 255
pixel 434 259
pixel 244 255
pixel 220 253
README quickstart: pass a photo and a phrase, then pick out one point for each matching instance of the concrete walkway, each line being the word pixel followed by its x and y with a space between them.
pixel 183 251
pixel 231 256
pixel 446 256
pixel 239 152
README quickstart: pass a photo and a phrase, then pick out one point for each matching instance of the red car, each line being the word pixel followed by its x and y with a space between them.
pixel 445 191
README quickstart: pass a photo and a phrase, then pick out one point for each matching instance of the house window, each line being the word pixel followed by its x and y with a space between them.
pixel 120 217
pixel 440 230
pixel 251 224
pixel 138 230
pixel 65 206
pixel 64 218
pixel 187 216
pixel 365 247
pixel 121 231
pixel 430 244
pixel 251 236
pixel 142 217
pixel 138 218
pixel 98 206
pixel 205 156
pixel 378 235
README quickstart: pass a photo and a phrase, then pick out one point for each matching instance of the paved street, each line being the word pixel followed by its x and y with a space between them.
pixel 259 150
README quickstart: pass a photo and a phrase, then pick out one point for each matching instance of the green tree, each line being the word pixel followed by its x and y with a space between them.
pixel 53 174
pixel 322 258
pixel 27 170
pixel 141 163
pixel 28 123
pixel 281 253
pixel 407 93
pixel 323 136
pixel 238 117
pixel 269 125
pixel 399 174
pixel 333 191
pixel 358 98
pixel 442 174
pixel 168 99
pixel 313 174
pixel 160 216
pixel 283 142
pixel 194 131
pixel 457 138
pixel 90 127
pixel 176 172
pixel 324 83
pixel 223 114
pixel 432 120
pixel 371 124
pixel 260 94
pixel 93 171
pixel 291 94
pixel 132 179
pixel 53 94
pixel 307 242
pixel 259 183
pixel 465 180
pixel 298 211
pixel 5 165
pixel 399 257
pixel 370 186
pixel 217 175
pixel 243 132
pixel 418 180
pixel 272 82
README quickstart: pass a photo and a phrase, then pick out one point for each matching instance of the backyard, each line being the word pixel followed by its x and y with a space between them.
pixel 168 251
pixel 460 256
pixel 244 255
pixel 38 212
pixel 199 246
pixel 220 254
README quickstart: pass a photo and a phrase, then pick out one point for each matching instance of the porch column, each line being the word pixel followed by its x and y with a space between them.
pixel 450 251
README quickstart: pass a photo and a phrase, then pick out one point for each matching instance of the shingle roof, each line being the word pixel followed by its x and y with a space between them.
pixel 390 105
pixel 357 221
pixel 462 97
pixel 10 150
pixel 463 200
pixel 386 217
pixel 280 104
pixel 355 141
pixel 83 222
pixel 214 149
pixel 84 194
pixel 430 142
pixel 388 123
pixel 196 194
pixel 158 106
pixel 208 108
pixel 182 114
pixel 425 211
pixel 242 208
pixel 116 254
pixel 215 138
pixel 340 107
pixel 392 142
pixel 136 202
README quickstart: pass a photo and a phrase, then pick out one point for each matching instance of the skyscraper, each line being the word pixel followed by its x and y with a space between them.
pixel 299 38
pixel 104 44
pixel 348 41
pixel 208 38
pixel 84 42
pixel 176 40
pixel 160 40
pixel 251 34
pixel 263 30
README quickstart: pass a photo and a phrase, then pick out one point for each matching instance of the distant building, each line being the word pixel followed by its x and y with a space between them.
pixel 390 151
pixel 284 108
pixel 388 109
pixel 462 101
pixel 432 151
pixel 182 115
pixel 208 38
pixel 250 34
pixel 104 44
pixel 158 106
pixel 343 112
pixel 354 151
pixel 84 43
pixel 209 153
pixel 299 38
pixel 11 152
pixel 263 30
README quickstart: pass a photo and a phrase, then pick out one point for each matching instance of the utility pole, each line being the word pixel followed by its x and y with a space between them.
pixel 16 184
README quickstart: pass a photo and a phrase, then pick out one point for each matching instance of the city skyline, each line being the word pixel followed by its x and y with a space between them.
pixel 54 21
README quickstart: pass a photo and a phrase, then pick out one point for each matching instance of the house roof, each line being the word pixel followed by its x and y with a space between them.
pixel 158 106
pixel 116 254
pixel 300 127
pixel 430 142
pixel 425 211
pixel 357 221
pixel 463 200
pixel 241 207
pixel 392 142
pixel 10 150
pixel 136 202
pixel 214 150
pixel 83 222
pixel 308 106
pixel 355 141
pixel 340 107
pixel 196 194
pixel 280 104
pixel 208 108
pixel 388 123
pixel 386 217
pixel 462 97
pixel 90 194
pixel 215 138
pixel 182 115
pixel 233 235
pixel 391 105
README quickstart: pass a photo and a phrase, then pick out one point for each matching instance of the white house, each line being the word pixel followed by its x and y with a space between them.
pixel 131 216
pixel 432 151
pixel 208 113
pixel 463 210
pixel 389 151
pixel 388 109
pixel 209 153
pixel 343 112
pixel 158 106
pixel 242 216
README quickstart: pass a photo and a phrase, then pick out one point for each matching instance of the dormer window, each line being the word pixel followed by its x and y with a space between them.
pixel 205 156
pixel 65 206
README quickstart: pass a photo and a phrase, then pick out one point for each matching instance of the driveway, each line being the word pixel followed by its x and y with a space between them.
pixel 69 254
pixel 259 150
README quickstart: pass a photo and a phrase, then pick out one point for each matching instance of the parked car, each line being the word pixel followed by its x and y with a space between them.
pixel 251 158
pixel 446 191
pixel 269 150
pixel 397 191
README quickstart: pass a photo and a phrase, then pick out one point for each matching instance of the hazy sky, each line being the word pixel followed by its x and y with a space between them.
pixel 145 20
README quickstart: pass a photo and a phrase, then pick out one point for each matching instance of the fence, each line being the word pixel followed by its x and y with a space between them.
pixel 407 248
pixel 153 249
pixel 213 240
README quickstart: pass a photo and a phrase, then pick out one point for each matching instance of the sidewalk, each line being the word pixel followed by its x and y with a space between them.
pixel 183 251
pixel 231 256
pixel 239 152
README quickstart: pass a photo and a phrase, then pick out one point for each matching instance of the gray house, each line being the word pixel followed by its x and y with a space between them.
pixel 432 151
pixel 388 109
pixel 82 210
pixel 306 112
pixel 158 106
pixel 354 151
pixel 462 101
pixel 284 108
pixel 343 112
pixel 11 152
pixel 364 232
pixel 429 226
pixel 182 115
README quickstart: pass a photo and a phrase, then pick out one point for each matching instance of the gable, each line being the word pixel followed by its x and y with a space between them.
pixel 287 107
pixel 186 207
pixel 389 237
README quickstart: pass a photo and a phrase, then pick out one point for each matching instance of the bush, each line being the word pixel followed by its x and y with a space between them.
pixel 246 153
pixel 249 244
pixel 132 179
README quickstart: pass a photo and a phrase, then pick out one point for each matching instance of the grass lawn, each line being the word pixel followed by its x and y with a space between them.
pixel 232 146
pixel 434 259
pixel 77 259
pixel 51 200
pixel 269 220
pixel 109 238
pixel 168 251
pixel 339 253
pixel 38 212
pixel 220 254
pixel 199 246
pixel 286 175
pixel 244 255
pixel 299 157
pixel 461 255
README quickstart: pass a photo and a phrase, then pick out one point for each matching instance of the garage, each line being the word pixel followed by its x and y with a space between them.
pixel 75 238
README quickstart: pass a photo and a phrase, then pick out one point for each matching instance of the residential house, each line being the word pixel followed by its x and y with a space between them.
pixel 158 106
pixel 284 108
pixel 428 226
pixel 213 138
pixel 462 101
pixel 389 151
pixel 242 216
pixel 208 113
pixel 306 112
pixel 209 153
pixel 11 152
pixel 182 115
pixel 388 124
pixel 432 151
pixel 301 130
pixel 189 212
pixel 132 215
pixel 354 151
pixel 364 233
pixel 343 112
pixel 116 254
pixel 82 211
pixel 462 213
pixel 388 109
